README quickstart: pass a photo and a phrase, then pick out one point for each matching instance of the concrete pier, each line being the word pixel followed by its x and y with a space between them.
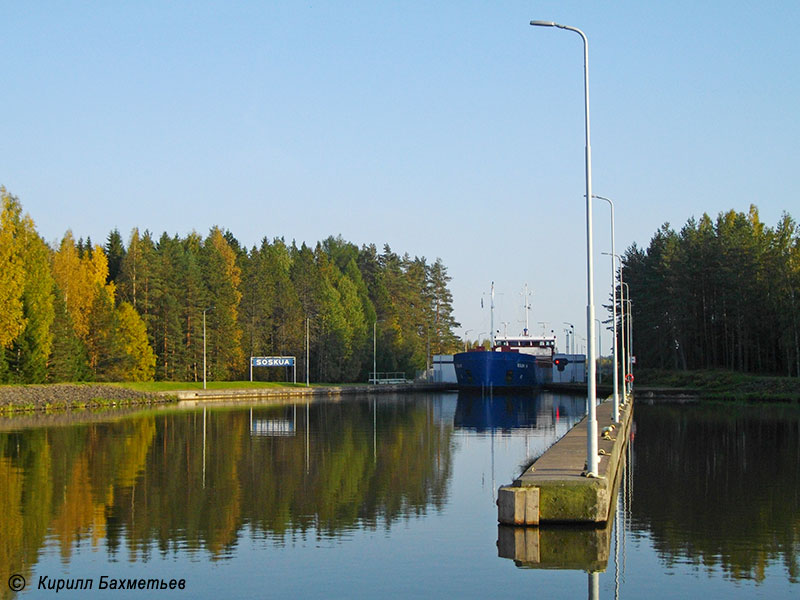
pixel 186 397
pixel 555 489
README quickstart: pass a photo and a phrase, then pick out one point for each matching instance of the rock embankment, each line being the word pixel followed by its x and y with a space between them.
pixel 71 395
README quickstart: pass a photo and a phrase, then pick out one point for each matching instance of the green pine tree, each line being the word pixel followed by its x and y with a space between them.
pixel 68 359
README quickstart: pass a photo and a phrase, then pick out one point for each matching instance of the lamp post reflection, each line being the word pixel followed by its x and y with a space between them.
pixel 204 447
pixel 308 431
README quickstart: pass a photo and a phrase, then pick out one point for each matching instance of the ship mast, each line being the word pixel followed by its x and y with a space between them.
pixel 491 319
pixel 527 307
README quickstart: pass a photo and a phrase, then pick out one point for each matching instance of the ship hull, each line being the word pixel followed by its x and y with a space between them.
pixel 478 370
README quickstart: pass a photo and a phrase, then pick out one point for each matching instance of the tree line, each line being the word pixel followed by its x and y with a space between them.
pixel 143 310
pixel 719 293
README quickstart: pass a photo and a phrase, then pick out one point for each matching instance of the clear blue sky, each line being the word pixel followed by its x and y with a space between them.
pixel 445 129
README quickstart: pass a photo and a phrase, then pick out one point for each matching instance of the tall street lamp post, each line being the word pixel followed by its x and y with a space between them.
pixel 308 350
pixel 570 350
pixel 631 355
pixel 591 396
pixel 205 310
pixel 613 308
pixel 624 292
pixel 375 351
pixel 622 322
pixel 629 338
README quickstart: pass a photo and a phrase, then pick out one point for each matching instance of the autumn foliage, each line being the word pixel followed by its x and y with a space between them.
pixel 143 310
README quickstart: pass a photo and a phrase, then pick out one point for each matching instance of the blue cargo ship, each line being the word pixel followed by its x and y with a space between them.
pixel 523 361
pixel 513 362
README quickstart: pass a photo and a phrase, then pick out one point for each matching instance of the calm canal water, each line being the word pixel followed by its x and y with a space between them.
pixel 393 497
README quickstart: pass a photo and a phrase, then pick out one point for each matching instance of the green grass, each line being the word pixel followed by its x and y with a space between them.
pixel 723 384
pixel 172 386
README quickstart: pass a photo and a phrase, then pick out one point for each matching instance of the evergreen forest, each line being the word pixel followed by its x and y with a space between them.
pixel 718 294
pixel 137 310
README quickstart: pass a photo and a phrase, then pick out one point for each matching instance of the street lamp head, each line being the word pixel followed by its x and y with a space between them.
pixel 543 23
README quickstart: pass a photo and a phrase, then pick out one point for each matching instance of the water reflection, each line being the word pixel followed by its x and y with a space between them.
pixel 575 547
pixel 191 480
pixel 540 418
pixel 721 487
pixel 716 489
pixel 542 410
pixel 570 547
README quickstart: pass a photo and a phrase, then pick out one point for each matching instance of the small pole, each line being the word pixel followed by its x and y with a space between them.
pixel 204 343
pixel 204 355
pixel 307 352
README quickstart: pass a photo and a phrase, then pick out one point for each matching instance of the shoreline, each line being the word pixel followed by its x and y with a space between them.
pixel 71 396
pixel 37 398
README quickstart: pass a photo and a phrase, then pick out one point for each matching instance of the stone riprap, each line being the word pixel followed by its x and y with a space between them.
pixel 15 398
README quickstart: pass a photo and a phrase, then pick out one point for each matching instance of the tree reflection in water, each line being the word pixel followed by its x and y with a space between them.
pixel 165 481
pixel 720 486
pixel 716 487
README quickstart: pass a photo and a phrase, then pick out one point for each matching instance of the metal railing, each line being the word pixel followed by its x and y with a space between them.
pixel 380 378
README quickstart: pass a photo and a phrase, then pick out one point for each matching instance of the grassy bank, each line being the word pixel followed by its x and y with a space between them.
pixel 724 385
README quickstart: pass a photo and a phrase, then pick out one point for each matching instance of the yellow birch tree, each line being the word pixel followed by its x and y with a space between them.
pixel 132 339
pixel 12 272
pixel 79 277
pixel 38 298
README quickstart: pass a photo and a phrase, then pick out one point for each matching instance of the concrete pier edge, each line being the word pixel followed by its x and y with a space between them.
pixel 250 394
pixel 556 483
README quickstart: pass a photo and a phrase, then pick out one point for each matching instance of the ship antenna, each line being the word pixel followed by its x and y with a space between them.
pixel 526 305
